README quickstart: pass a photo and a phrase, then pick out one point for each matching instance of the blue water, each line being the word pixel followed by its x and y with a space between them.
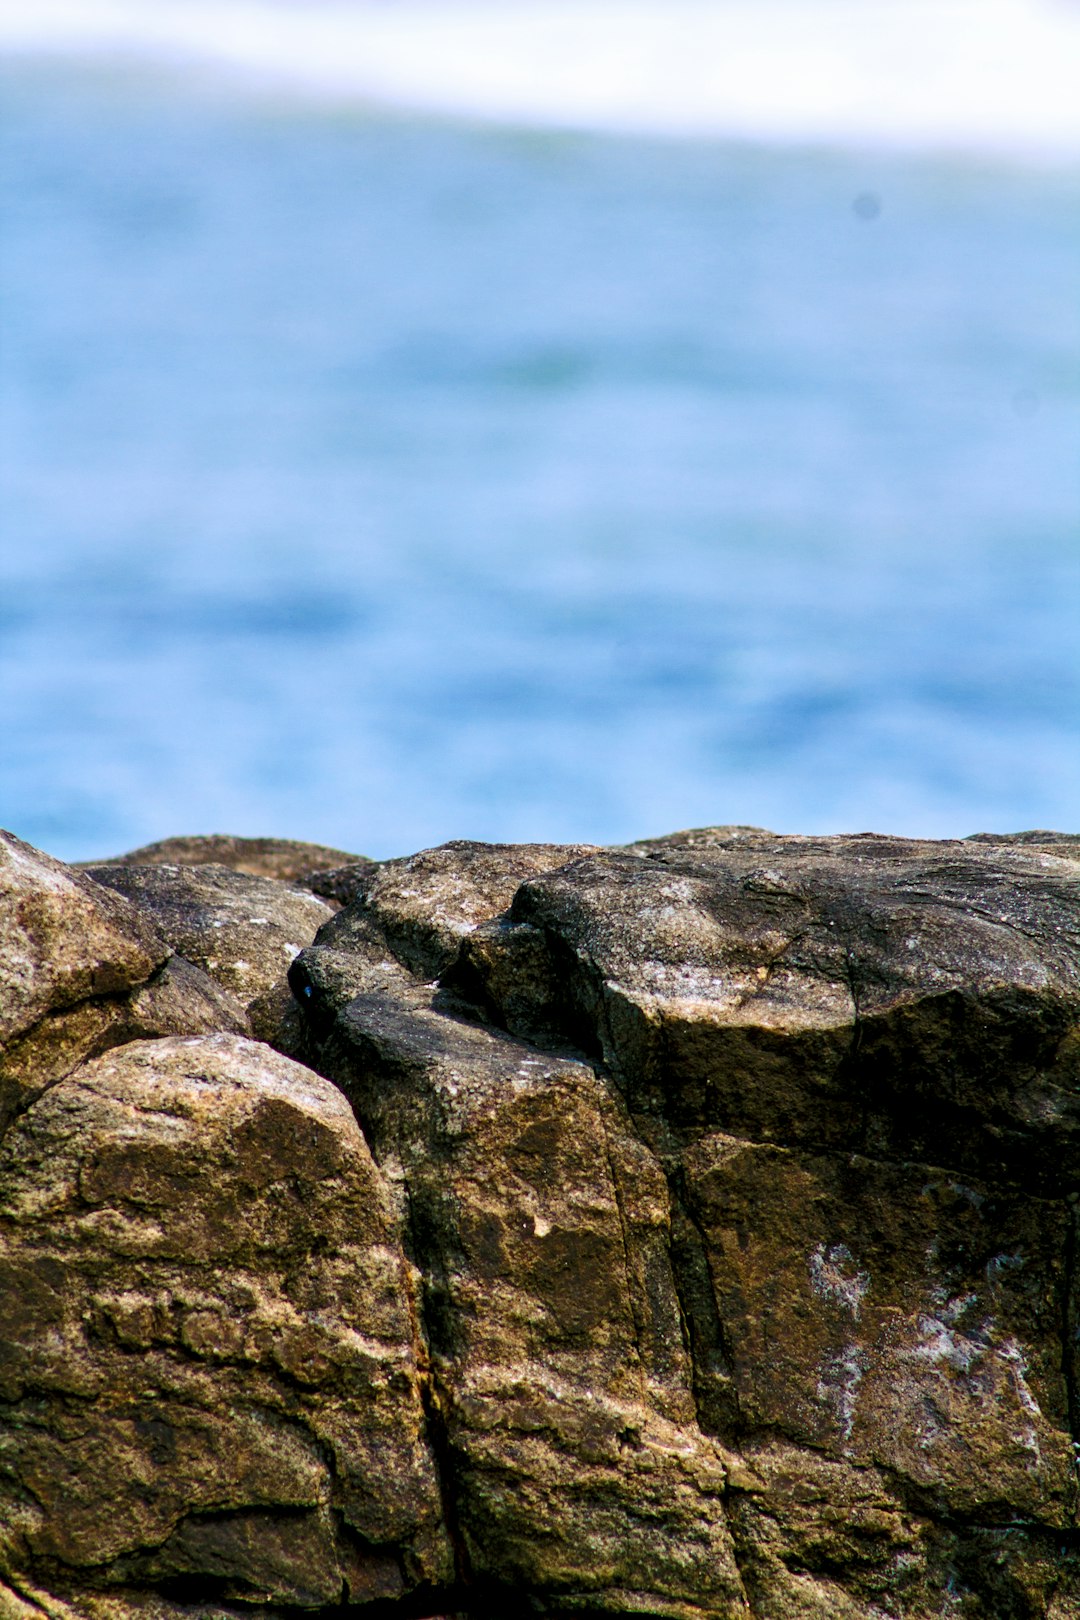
pixel 381 480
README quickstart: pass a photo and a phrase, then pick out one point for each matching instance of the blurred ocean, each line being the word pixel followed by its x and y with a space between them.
pixel 423 421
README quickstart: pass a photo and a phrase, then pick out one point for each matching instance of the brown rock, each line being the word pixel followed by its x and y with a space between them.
pixel 63 939
pixel 857 1061
pixel 283 858
pixel 895 1316
pixel 80 970
pixel 209 1365
pixel 715 1256
pixel 541 1227
pixel 179 999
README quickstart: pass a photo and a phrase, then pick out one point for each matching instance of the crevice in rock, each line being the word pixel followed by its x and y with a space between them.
pixel 10 1583
pixel 38 1034
pixel 433 1397
pixel 927 1504
pixel 1069 1333
pixel 577 1024
pixel 631 1291
pixel 919 1501
pixel 445 1460
pixel 590 1052
pixel 227 1598
pixel 715 1398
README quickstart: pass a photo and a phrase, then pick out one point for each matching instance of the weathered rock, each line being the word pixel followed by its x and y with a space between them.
pixel 179 999
pixel 419 909
pixel 541 1228
pixel 692 838
pixel 715 1254
pixel 826 1540
pixel 63 939
pixel 283 858
pixel 895 1316
pixel 1037 838
pixel 857 1061
pixel 209 1364
pixel 876 995
pixel 339 884
pixel 80 970
pixel 241 930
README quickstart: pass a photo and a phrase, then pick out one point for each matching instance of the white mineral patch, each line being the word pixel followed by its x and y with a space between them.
pixel 942 1341
pixel 1012 1354
pixel 839 1378
pixel 834 1276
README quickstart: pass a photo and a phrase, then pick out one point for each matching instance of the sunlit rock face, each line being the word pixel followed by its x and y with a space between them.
pixel 240 929
pixel 82 970
pixel 685 1230
pixel 211 1364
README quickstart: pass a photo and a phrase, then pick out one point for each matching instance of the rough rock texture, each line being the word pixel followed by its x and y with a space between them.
pixel 179 999
pixel 241 930
pixel 210 1362
pixel 420 908
pixel 700 1242
pixel 540 1227
pixel 338 884
pixel 63 939
pixel 867 993
pixel 82 970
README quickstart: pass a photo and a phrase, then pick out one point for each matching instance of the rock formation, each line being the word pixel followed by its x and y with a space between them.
pixel 684 1230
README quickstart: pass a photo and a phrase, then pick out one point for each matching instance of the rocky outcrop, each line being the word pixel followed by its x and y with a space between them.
pixel 211 1365
pixel 82 970
pixel 684 1230
pixel 241 930
pixel 286 859
pixel 419 909
pixel 330 873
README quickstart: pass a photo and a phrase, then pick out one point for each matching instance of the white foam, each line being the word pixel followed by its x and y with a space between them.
pixel 975 74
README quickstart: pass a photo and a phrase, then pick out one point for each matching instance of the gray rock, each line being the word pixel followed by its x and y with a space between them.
pixel 886 996
pixel 241 930
pixel 339 884
pixel 419 909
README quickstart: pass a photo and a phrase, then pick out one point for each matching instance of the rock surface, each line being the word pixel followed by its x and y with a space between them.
pixel 210 1362
pixel 286 859
pixel 82 970
pixel 241 930
pixel 63 939
pixel 420 908
pixel 684 1230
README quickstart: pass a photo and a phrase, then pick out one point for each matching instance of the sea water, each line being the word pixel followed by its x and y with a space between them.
pixel 401 446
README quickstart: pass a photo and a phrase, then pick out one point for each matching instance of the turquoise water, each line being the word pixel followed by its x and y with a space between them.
pixel 379 479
